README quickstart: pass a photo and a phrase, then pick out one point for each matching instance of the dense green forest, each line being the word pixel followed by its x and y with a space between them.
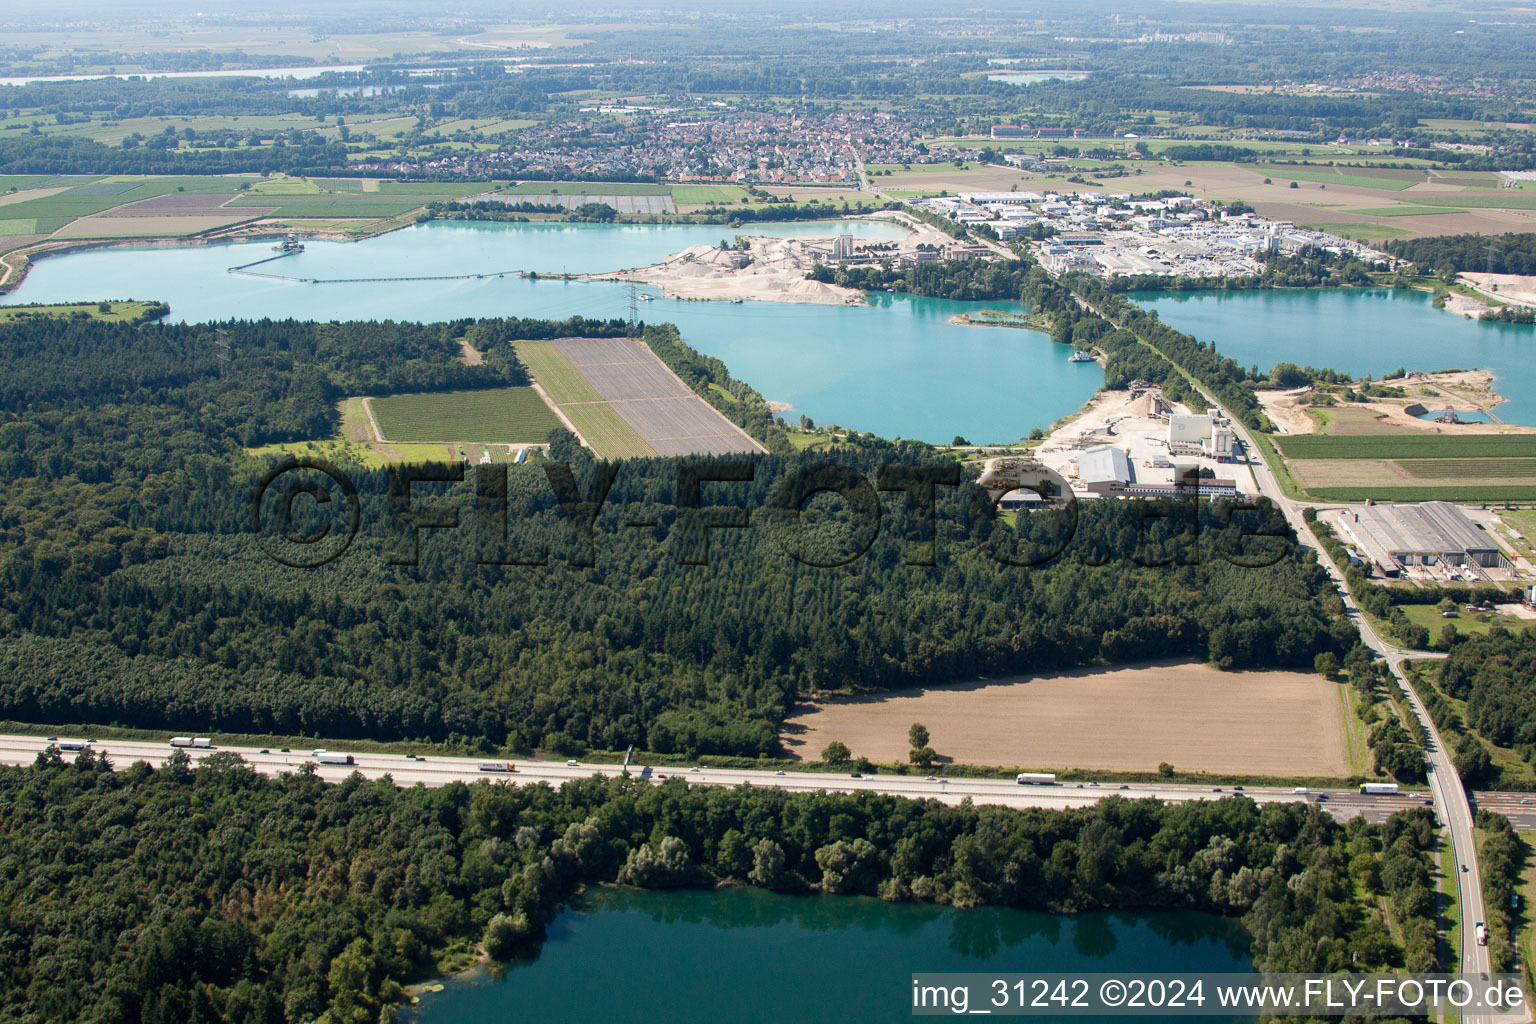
pixel 184 895
pixel 1491 254
pixel 1493 675
pixel 135 591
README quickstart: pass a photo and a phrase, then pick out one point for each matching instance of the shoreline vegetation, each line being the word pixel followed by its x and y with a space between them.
pixel 454 875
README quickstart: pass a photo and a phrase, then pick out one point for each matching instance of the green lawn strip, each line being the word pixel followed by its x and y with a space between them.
pixel 1505 200
pixel 125 311
pixel 371 455
pixel 1405 211
pixel 599 424
pixel 1276 462
pixel 1450 910
pixel 1354 732
pixel 1525 937
pixel 494 415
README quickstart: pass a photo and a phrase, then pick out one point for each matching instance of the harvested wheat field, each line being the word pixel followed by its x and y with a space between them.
pixel 1125 719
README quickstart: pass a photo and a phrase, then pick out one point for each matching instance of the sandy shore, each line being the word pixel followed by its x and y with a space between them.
pixel 776 273
pixel 766 270
pixel 1518 289
pixel 1463 305
pixel 1462 390
pixel 1106 415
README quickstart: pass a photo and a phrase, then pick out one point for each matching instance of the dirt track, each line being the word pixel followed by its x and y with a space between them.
pixel 1128 719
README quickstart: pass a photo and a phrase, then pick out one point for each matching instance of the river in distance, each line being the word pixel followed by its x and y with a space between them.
pixel 896 366
pixel 752 957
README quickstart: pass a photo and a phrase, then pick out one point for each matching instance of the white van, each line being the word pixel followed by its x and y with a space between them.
pixel 1299 791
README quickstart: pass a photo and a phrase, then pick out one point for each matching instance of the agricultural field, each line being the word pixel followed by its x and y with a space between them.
pixel 564 384
pixel 1408 446
pixel 585 188
pixel 496 415
pixel 703 195
pixel 624 402
pixel 1128 719
pixel 650 398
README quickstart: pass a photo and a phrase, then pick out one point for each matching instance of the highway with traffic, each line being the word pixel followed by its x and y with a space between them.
pixel 408 770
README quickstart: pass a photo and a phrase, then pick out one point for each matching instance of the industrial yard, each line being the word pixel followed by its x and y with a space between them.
pixel 1135 443
pixel 1108 234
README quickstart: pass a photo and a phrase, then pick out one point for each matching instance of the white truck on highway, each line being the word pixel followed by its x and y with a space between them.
pixel 1036 779
pixel 326 757
pixel 1482 934
pixel 1379 788
pixel 199 742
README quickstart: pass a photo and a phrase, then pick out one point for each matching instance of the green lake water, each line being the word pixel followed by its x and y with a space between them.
pixel 747 956
pixel 1358 331
pixel 896 366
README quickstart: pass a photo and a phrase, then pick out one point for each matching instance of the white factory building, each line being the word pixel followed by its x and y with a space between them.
pixel 1200 434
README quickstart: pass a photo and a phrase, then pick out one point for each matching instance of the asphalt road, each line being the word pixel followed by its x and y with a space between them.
pixel 438 771
pixel 1444 784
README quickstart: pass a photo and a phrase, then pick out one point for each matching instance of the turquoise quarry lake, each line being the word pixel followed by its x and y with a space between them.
pixel 1358 331
pixel 896 367
pixel 753 957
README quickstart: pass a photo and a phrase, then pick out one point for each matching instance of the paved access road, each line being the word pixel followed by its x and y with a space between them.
pixel 1445 785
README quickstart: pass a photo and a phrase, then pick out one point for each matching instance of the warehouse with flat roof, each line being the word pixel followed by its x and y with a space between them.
pixel 1434 533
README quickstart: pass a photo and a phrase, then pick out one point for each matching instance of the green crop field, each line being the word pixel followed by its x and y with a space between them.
pixel 1360 231
pixel 495 415
pixel 1359 177
pixel 425 190
pixel 1406 211
pixel 1509 469
pixel 700 194
pixel 369 205
pixel 595 420
pixel 592 188
pixel 1398 446
pixel 605 430
pixel 555 374
pixel 1418 494
pixel 1505 200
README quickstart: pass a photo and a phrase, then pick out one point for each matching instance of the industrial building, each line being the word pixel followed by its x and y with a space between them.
pixel 1203 434
pixel 1434 533
pixel 1106 470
